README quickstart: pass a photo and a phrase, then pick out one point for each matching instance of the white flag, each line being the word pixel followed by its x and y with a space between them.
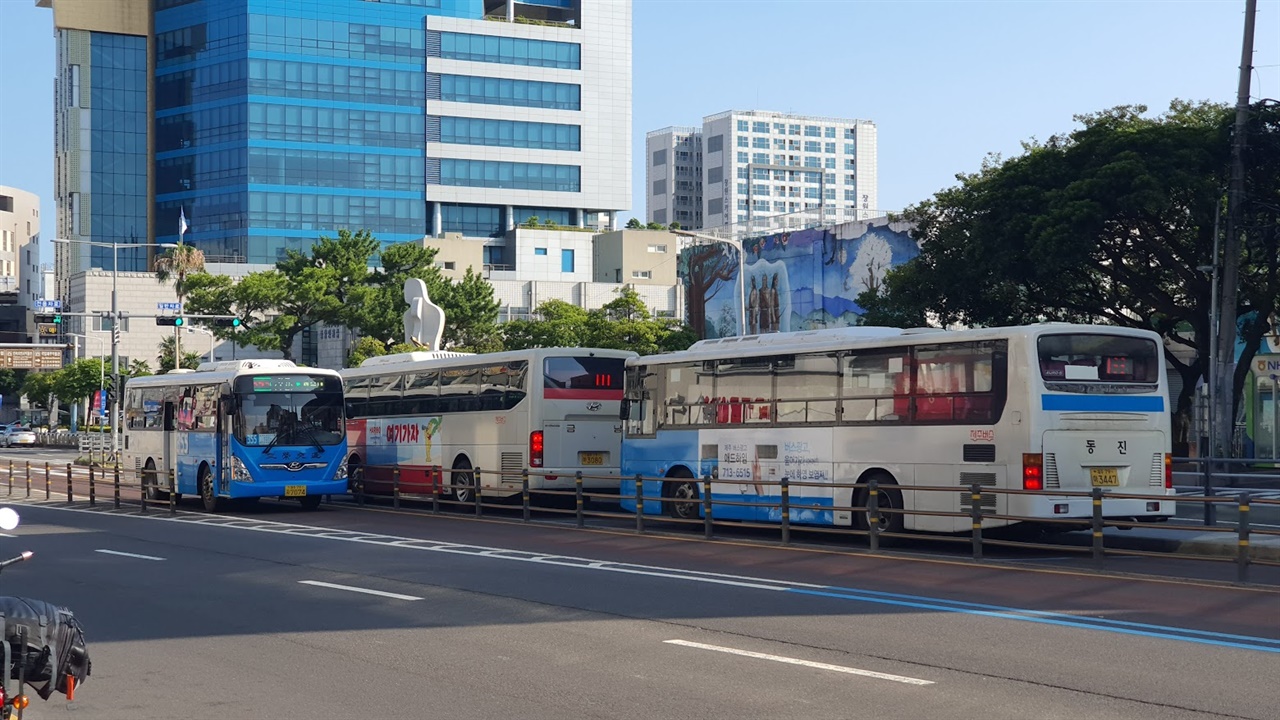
pixel 182 222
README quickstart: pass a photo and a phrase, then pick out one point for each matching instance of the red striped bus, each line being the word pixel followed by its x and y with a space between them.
pixel 438 416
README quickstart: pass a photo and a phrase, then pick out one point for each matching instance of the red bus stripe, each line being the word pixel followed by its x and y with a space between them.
pixel 580 394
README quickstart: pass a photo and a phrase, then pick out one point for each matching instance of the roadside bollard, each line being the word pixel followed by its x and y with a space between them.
pixel 395 487
pixel 577 496
pixel 70 492
pixel 639 504
pixel 975 515
pixel 784 488
pixel 93 488
pixel 145 482
pixel 48 484
pixel 1098 549
pixel 10 476
pixel 1242 551
pixel 707 520
pixel 116 483
pixel 524 494
pixel 173 494
pixel 873 514
pixel 476 495
pixel 437 481
pixel 28 462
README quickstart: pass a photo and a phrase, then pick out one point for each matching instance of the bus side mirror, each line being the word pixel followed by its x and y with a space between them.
pixel 624 410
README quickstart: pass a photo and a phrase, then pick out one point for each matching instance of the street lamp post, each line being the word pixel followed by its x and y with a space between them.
pixel 742 256
pixel 115 325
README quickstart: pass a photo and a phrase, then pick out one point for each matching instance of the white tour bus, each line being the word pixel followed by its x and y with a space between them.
pixel 438 415
pixel 1045 407
pixel 238 429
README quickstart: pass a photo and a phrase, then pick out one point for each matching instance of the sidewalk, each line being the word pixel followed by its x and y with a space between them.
pixel 1181 541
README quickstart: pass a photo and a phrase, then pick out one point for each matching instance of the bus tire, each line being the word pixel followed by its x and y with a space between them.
pixel 151 480
pixel 310 502
pixel 684 497
pixel 208 493
pixel 462 482
pixel 889 497
pixel 355 474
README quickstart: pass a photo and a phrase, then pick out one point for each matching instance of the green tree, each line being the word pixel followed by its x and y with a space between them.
pixel 11 382
pixel 176 264
pixel 365 348
pixel 635 224
pixel 38 388
pixel 1110 223
pixel 79 380
pixel 190 360
pixel 381 315
pixel 556 323
pixel 471 314
pixel 655 226
pixel 139 368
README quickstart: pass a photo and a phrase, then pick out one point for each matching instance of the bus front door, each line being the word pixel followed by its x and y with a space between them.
pixel 169 450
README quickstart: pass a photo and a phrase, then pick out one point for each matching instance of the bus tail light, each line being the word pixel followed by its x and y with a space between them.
pixel 535 448
pixel 1032 471
pixel 1168 471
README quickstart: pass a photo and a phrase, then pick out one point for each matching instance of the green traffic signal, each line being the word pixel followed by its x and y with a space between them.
pixel 57 319
pixel 179 322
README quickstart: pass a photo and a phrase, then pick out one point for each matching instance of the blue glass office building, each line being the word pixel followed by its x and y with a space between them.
pixel 276 121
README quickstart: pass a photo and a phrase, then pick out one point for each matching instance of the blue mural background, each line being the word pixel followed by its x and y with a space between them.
pixel 817 273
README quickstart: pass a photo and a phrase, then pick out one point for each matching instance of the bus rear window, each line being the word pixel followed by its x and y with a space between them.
pixel 1098 359
pixel 570 377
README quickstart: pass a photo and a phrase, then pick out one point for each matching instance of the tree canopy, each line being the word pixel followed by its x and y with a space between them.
pixel 1110 223
pixel 623 323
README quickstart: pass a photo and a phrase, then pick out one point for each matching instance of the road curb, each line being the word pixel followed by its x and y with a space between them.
pixel 1261 549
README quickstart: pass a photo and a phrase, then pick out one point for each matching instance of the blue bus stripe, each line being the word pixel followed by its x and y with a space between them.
pixel 1170 633
pixel 1103 403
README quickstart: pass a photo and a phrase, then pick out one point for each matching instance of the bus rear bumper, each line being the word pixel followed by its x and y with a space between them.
pixel 1154 509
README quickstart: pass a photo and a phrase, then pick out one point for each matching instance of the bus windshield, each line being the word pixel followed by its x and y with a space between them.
pixel 1090 362
pixel 289 410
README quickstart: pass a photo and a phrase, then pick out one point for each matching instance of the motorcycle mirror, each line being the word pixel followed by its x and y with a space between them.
pixel 8 518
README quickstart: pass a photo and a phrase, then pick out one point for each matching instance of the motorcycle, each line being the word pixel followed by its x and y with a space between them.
pixel 41 645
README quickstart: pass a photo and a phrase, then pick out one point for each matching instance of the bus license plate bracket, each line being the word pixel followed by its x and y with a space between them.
pixel 1104 477
pixel 295 490
pixel 591 458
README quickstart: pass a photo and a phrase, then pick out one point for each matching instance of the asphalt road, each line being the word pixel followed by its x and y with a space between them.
pixel 269 615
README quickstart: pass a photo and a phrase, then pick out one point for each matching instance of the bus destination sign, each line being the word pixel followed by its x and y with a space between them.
pixel 286 383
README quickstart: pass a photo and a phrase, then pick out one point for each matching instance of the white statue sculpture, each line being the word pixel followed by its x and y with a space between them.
pixel 424 320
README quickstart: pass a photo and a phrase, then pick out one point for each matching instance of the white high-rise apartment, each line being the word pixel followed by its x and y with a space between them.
pixel 20 244
pixel 757 164
pixel 673 176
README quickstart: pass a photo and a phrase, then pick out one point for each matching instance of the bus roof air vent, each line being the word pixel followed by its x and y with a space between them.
pixel 233 365
pixel 398 358
pixel 921 330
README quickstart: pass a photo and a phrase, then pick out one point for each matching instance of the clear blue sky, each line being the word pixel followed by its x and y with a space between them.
pixel 946 82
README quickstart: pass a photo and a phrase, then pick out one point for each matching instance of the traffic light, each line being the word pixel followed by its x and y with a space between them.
pixel 171 321
pixel 55 318
pixel 227 322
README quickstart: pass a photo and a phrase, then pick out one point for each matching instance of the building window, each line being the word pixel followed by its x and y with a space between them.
pixel 848 149
pixel 512 133
pixel 829 132
pixel 657 248
pixel 506 91
pixel 743 141
pixel 514 175
pixel 448 265
pixel 812 131
pixel 760 142
pixel 641 274
pixel 812 146
pixel 539 251
pixel 511 51
pixel 566 261
pixel 743 157
pixel 715 143
pixel 760 127
pixel 471 220
pixel 742 126
pixel 829 147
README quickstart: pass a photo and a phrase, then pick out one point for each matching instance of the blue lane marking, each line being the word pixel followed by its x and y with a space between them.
pixel 1103 403
pixel 1203 637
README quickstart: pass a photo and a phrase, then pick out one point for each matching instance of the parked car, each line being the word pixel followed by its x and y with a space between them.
pixel 16 436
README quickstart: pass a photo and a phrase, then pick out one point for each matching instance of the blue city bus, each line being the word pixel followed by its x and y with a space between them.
pixel 237 430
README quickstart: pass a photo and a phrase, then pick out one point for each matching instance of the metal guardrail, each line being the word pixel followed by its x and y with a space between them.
pixel 465 489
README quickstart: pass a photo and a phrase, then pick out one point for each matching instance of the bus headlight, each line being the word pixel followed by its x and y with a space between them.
pixel 239 473
pixel 342 472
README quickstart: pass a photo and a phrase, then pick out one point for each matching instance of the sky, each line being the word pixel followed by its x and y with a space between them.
pixel 946 82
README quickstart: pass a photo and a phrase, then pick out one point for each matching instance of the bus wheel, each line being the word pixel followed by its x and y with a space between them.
pixel 890 497
pixel 463 481
pixel 151 480
pixel 208 495
pixel 310 502
pixel 684 504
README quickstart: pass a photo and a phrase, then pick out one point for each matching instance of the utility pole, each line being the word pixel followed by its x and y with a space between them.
pixel 1224 358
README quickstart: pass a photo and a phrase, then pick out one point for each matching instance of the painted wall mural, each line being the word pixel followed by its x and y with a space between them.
pixel 798 280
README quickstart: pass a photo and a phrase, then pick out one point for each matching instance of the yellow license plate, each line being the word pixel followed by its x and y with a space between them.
pixel 1104 477
pixel 295 490
pixel 591 458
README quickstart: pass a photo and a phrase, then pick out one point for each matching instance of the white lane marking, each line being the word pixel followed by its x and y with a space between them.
pixel 132 555
pixel 7 535
pixel 803 663
pixel 366 591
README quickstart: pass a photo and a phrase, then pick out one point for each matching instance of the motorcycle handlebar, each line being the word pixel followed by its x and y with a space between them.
pixel 21 558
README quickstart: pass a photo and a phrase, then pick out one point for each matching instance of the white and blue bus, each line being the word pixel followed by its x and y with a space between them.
pixel 1041 408
pixel 240 429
